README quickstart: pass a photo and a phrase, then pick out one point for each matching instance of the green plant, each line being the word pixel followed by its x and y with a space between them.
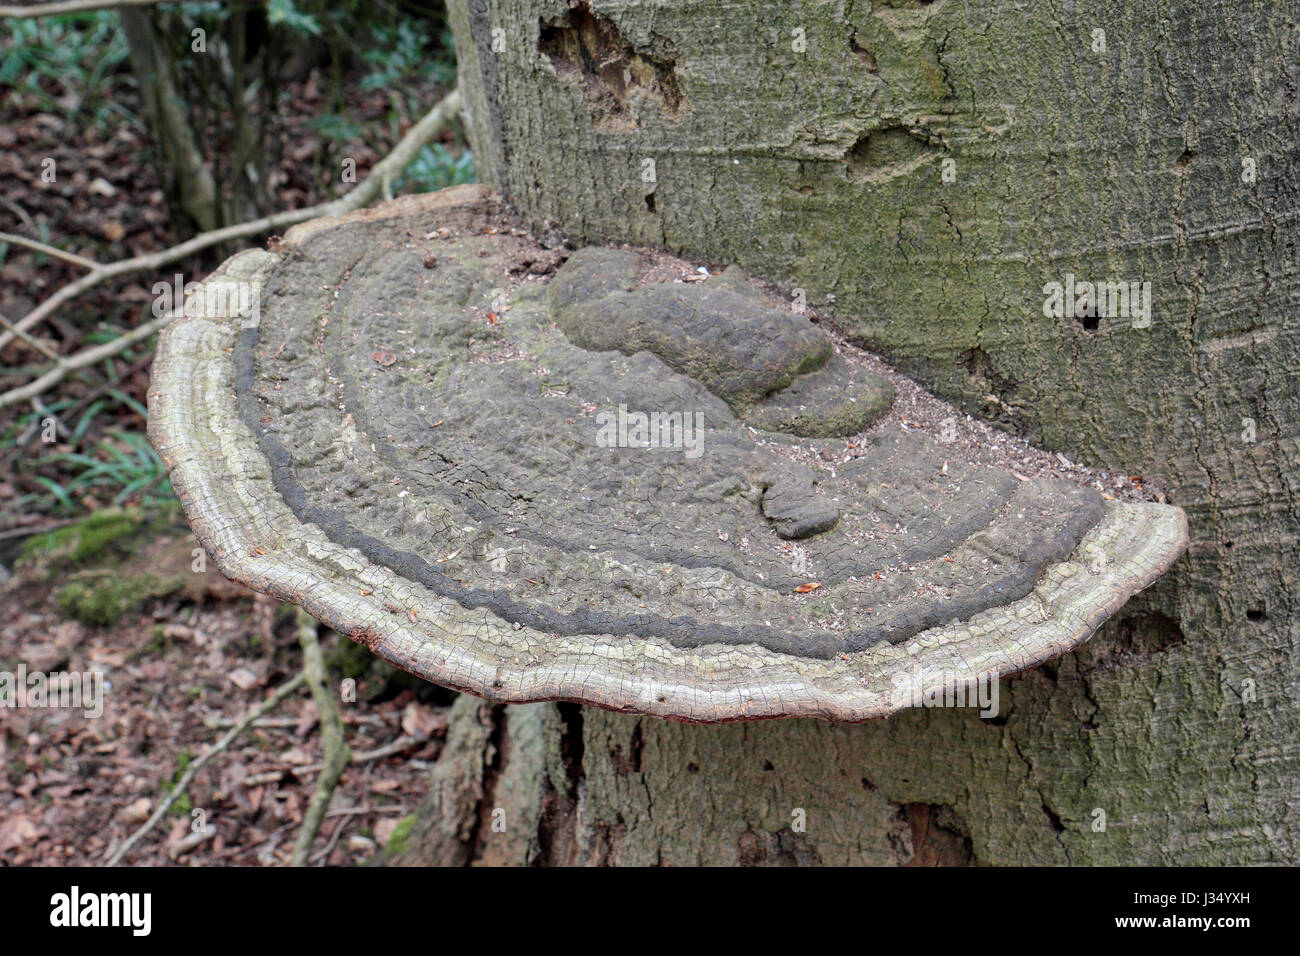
pixel 435 167
pixel 123 463
pixel 65 61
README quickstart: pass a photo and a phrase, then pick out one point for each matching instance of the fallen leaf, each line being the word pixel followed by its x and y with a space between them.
pixel 384 829
pixel 296 756
pixel 421 721
pixel 17 831
pixel 805 588
pixel 137 811
pixel 243 678
pixel 43 656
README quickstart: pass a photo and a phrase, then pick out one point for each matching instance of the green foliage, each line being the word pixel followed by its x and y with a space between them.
pixel 401 835
pixel 103 602
pixel 434 167
pixel 66 61
pixel 183 805
pixel 115 464
pixel 123 463
pixel 334 126
pixel 399 52
pixel 286 13
pixel 103 533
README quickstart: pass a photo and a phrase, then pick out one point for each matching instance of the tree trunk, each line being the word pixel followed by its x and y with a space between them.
pixel 923 171
pixel 190 186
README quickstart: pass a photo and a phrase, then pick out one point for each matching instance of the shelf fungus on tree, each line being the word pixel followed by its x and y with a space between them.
pixel 612 486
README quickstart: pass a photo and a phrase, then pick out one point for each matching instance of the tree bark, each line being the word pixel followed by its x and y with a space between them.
pixel 190 185
pixel 923 171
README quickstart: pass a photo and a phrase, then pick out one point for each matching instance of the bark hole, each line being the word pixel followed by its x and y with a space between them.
pixel 884 153
pixel 940 836
pixel 862 53
pixel 782 848
pixel 587 47
pixel 998 390
pixel 1137 637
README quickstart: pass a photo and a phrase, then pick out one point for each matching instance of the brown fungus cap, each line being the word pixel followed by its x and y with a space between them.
pixel 660 497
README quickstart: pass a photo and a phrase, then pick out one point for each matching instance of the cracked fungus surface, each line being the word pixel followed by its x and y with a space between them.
pixel 448 463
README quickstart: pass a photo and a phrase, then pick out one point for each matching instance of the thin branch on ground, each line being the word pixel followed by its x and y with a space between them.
pixel 38 345
pixel 377 182
pixel 82 359
pixel 54 252
pixel 337 752
pixel 261 710
pixel 68 6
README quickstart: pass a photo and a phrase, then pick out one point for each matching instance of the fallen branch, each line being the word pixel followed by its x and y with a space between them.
pixel 261 710
pixel 365 811
pixel 379 753
pixel 82 359
pixel 377 182
pixel 34 343
pixel 68 6
pixel 337 752
pixel 53 252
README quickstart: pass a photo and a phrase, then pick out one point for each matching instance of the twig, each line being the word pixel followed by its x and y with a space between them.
pixel 53 252
pixel 35 530
pixel 20 212
pixel 364 811
pixel 331 843
pixel 387 750
pixel 261 710
pixel 34 343
pixel 257 779
pixel 337 752
pixel 69 6
pixel 216 723
pixel 384 171
pixel 82 359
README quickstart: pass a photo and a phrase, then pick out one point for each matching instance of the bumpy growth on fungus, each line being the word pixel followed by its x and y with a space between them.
pixel 605 488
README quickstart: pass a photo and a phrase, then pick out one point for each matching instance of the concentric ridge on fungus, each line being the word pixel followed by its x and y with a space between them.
pixel 446 463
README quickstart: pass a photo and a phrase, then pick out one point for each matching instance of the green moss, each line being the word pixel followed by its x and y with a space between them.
pixel 105 536
pixel 102 603
pixel 183 805
pixel 401 835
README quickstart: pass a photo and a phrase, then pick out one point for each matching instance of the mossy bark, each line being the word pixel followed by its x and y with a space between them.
pixel 922 171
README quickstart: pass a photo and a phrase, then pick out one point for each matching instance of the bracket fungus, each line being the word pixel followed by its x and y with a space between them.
pixel 661 497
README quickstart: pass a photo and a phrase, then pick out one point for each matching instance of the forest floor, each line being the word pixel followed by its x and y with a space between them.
pixel 106 203
pixel 183 652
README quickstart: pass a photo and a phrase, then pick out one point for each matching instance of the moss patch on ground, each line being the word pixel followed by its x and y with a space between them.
pixel 113 562
pixel 102 602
